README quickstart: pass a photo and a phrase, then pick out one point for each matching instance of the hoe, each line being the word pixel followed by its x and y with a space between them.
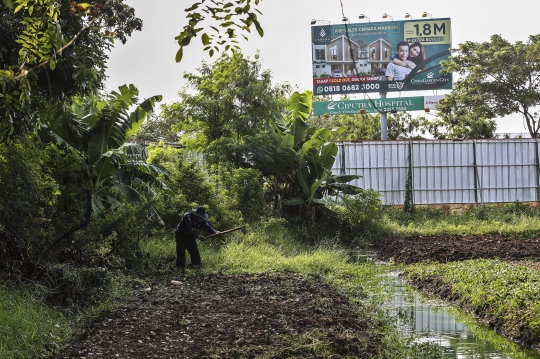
pixel 241 228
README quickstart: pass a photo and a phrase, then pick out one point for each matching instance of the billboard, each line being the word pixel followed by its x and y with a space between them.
pixel 388 56
pixel 418 103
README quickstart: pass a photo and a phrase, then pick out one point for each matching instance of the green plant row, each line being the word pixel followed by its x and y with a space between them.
pixel 515 219
pixel 504 295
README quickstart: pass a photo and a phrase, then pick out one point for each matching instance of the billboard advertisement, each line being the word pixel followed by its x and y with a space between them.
pixel 342 107
pixel 388 56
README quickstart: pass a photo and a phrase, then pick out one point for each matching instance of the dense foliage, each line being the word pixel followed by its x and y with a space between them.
pixel 51 51
pixel 226 115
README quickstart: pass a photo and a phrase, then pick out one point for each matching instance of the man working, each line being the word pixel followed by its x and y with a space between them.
pixel 395 72
pixel 186 237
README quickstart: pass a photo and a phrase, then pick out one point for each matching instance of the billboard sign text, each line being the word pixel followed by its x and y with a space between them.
pixel 418 103
pixel 380 57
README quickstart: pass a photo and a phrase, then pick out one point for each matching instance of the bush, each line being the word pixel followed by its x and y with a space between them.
pixel 28 192
pixel 245 188
pixel 112 238
pixel 360 214
pixel 190 186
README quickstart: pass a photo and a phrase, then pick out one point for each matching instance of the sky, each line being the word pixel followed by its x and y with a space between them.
pixel 147 60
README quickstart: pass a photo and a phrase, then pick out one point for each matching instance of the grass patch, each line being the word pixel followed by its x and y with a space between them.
pixel 28 327
pixel 38 319
pixel 515 220
pixel 504 295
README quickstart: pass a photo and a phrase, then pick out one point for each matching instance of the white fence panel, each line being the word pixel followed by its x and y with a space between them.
pixel 383 166
pixel 508 170
pixel 445 172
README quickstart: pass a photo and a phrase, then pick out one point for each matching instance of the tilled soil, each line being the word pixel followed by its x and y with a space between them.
pixel 279 315
pixel 456 248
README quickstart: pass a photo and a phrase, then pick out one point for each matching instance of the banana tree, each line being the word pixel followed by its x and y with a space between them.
pixel 305 156
pixel 113 170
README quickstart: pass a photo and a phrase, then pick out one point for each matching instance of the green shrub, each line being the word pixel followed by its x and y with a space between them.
pixel 360 215
pixel 190 185
pixel 111 236
pixel 28 191
pixel 245 188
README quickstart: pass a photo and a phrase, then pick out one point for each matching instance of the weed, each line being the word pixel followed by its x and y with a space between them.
pixel 28 328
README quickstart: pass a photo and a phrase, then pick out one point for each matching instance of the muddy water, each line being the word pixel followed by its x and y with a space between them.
pixel 460 335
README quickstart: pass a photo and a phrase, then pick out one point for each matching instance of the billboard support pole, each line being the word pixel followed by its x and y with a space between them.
pixel 384 122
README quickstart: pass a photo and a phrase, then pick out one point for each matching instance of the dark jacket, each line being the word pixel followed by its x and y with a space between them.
pixel 189 225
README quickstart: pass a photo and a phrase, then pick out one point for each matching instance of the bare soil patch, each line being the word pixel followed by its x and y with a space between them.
pixel 456 248
pixel 279 315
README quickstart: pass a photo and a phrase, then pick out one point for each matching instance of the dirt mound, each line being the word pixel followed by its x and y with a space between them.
pixel 456 248
pixel 279 315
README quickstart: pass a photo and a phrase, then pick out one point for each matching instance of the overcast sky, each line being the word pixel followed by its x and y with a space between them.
pixel 147 59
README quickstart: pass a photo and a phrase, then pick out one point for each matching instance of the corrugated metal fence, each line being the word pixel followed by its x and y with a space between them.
pixel 445 172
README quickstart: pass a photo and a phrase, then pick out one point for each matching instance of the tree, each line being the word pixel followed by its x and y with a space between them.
pixel 500 78
pixel 50 51
pixel 156 129
pixel 227 115
pixel 228 17
pixel 401 126
pixel 459 127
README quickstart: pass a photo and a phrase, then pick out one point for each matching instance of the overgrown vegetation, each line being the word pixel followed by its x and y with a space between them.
pixel 86 217
pixel 28 326
pixel 270 247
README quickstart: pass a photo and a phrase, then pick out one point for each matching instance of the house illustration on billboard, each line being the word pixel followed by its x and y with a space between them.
pixel 380 54
pixel 334 58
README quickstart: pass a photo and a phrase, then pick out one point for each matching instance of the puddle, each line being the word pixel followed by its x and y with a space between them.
pixel 461 336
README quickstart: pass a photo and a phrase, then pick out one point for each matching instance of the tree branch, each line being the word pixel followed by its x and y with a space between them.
pixel 43 63
pixel 79 226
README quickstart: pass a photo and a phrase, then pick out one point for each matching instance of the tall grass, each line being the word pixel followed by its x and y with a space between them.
pixel 28 328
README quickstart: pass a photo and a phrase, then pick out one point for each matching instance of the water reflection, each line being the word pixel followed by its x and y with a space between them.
pixel 434 321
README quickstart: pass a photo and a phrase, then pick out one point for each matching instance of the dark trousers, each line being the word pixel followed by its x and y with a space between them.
pixel 183 242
